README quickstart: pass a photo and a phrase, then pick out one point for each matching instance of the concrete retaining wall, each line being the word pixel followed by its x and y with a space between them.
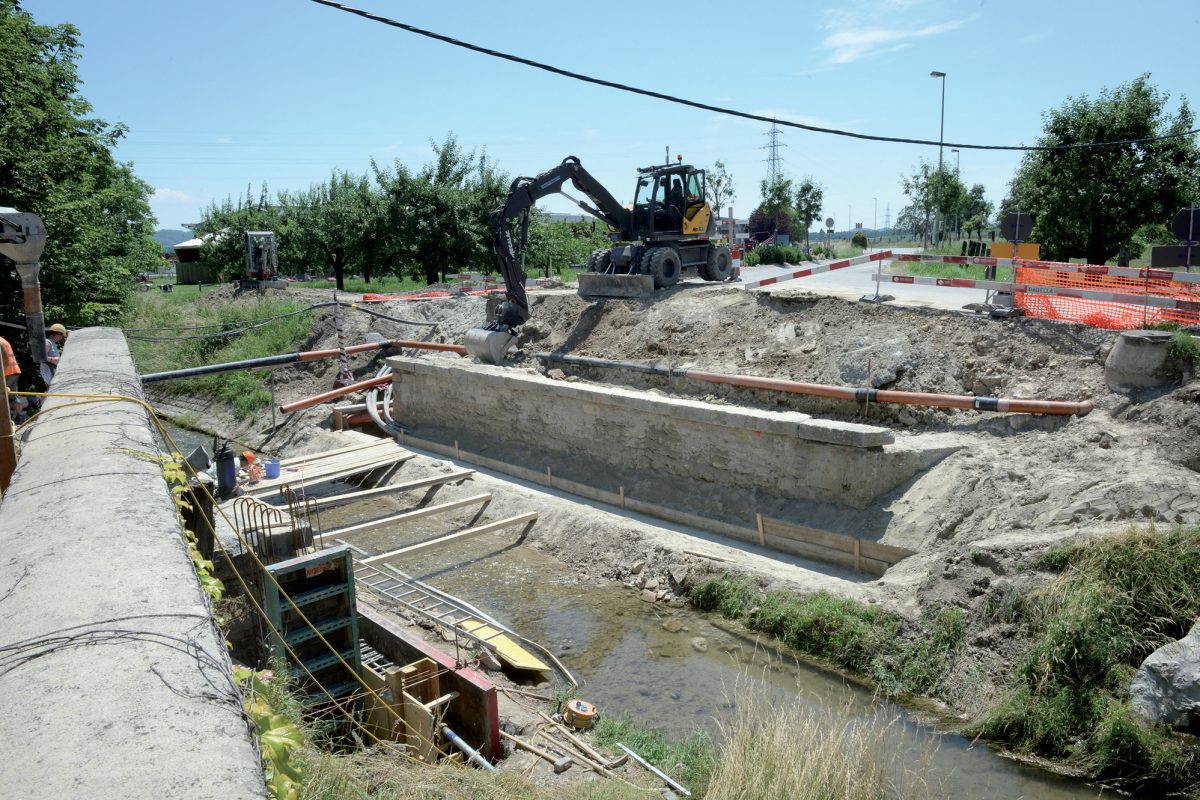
pixel 113 680
pixel 606 431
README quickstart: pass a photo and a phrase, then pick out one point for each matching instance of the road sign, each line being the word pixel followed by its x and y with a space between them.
pixel 829 222
pixel 1186 226
pixel 1016 226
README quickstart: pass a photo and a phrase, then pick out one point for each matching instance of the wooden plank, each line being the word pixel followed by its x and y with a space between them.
pixel 325 475
pixel 340 451
pixel 469 533
pixel 803 533
pixel 419 735
pixel 378 720
pixel 813 551
pixel 396 722
pixel 421 679
pixel 758 519
pixel 885 552
pixel 405 516
pixel 419 483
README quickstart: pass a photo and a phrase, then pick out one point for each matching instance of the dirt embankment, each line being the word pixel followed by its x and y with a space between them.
pixel 1016 483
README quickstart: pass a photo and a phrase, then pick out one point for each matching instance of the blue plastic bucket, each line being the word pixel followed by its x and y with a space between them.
pixel 272 465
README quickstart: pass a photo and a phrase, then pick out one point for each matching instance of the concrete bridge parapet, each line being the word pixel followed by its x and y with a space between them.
pixel 113 679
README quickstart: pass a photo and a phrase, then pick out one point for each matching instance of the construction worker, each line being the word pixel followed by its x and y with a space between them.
pixel 55 336
pixel 12 371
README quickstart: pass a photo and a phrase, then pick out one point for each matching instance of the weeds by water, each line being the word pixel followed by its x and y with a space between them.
pixel 1112 603
pixel 855 636
pixel 691 760
pixel 1109 603
pixel 797 752
pixel 170 316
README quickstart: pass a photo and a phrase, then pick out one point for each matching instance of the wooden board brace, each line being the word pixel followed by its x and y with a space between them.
pixel 405 516
pixel 469 533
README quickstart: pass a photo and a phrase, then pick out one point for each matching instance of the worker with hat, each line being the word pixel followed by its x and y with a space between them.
pixel 55 336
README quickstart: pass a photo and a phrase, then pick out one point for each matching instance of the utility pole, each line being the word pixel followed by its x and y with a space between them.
pixel 773 158
pixel 941 139
pixel 875 220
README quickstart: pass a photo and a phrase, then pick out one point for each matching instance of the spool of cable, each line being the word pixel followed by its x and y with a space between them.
pixel 579 714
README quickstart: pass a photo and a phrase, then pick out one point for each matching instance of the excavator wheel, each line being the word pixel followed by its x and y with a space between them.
pixel 664 266
pixel 720 264
pixel 599 260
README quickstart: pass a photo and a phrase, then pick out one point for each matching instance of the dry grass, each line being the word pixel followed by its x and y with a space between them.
pixel 800 753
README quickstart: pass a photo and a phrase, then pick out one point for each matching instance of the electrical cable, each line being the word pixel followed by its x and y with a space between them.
pixel 729 111
pixel 221 324
pixel 260 322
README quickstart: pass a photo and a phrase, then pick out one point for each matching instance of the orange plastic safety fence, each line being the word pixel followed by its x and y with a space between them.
pixel 1110 314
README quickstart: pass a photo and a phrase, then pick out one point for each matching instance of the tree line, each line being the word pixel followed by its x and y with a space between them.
pixel 421 223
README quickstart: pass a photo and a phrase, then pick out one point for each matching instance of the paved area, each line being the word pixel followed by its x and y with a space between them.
pixel 854 282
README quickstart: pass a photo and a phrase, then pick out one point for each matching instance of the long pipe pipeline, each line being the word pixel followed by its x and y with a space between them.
pixel 1058 407
pixel 295 358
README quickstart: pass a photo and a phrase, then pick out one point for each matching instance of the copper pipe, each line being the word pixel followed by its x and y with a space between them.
pixel 1057 407
pixel 317 399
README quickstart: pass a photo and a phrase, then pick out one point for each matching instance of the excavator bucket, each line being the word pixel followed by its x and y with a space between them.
pixel 490 347
pixel 598 284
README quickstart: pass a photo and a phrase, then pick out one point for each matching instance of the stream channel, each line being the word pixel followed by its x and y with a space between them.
pixel 627 662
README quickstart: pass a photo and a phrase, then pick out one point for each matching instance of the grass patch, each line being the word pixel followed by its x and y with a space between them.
pixel 690 761
pixel 1113 602
pixel 854 636
pixel 803 753
pixel 974 272
pixel 170 314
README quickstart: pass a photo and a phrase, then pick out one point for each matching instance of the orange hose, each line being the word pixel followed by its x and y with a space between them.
pixel 317 399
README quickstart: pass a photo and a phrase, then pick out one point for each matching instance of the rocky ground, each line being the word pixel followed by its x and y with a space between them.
pixel 1016 483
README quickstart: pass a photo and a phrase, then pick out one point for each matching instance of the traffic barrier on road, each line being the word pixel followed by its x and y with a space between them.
pixel 804 273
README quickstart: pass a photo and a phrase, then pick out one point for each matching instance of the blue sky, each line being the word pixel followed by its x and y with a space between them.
pixel 223 94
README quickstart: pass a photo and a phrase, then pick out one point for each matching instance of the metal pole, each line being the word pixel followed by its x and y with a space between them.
pixel 875 221
pixel 941 138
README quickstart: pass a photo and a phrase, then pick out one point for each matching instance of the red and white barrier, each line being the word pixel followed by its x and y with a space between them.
pixel 1055 291
pixel 1057 266
pixel 804 273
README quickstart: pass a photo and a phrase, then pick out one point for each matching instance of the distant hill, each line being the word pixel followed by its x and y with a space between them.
pixel 170 238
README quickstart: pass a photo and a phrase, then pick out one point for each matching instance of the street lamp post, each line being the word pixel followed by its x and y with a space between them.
pixel 875 218
pixel 957 221
pixel 941 139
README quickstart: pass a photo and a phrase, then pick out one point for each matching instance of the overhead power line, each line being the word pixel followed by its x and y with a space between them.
pixel 729 111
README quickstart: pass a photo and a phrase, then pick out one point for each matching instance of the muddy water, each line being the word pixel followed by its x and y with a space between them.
pixel 616 645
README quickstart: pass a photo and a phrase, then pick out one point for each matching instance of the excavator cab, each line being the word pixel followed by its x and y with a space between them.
pixel 669 202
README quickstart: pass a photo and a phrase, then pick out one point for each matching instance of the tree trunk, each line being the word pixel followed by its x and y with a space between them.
pixel 338 276
pixel 431 273
pixel 366 271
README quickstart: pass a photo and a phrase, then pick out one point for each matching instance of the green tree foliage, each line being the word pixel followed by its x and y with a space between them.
pixel 56 161
pixel 929 189
pixel 807 204
pixel 774 214
pixel 976 210
pixel 224 227
pixel 437 219
pixel 560 243
pixel 718 185
pixel 333 225
pixel 1089 201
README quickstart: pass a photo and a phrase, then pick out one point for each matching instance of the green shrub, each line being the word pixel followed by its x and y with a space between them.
pixel 859 240
pixel 774 254
pixel 1114 601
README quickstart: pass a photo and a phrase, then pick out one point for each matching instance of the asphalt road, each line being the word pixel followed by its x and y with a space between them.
pixel 854 282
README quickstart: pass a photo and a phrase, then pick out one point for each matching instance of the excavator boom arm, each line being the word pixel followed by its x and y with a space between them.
pixel 522 195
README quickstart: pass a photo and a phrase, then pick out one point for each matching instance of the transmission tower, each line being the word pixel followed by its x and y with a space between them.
pixel 887 217
pixel 773 158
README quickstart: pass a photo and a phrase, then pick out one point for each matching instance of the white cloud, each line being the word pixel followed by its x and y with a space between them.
pixel 225 140
pixel 171 195
pixel 846 46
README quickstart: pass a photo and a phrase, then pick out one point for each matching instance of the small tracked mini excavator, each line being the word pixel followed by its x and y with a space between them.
pixel 666 231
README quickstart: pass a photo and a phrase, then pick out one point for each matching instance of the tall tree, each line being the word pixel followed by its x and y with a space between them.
pixel 929 189
pixel 56 161
pixel 718 185
pixel 809 197
pixel 438 217
pixel 224 226
pixel 331 222
pixel 1089 201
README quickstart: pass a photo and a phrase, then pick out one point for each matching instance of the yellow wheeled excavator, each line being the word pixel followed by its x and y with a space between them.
pixel 666 231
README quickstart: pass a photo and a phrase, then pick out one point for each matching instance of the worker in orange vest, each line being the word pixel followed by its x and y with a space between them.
pixel 12 371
